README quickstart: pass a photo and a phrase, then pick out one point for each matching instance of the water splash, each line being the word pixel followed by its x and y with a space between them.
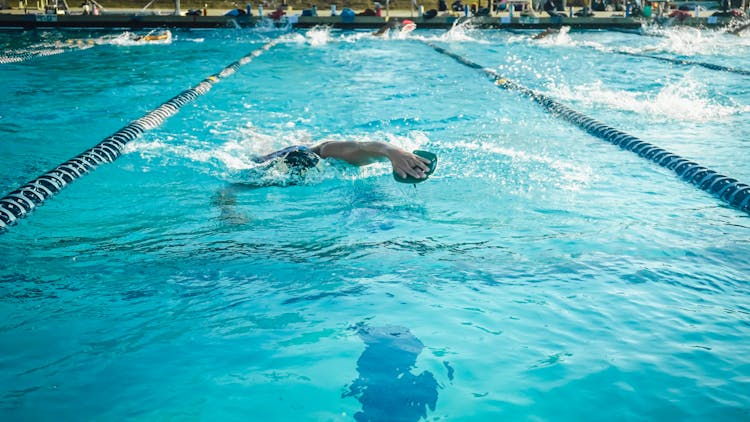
pixel 685 99
pixel 557 39
pixel 686 41
pixel 233 160
pixel 518 168
pixel 321 35
pixel 318 36
pixel 128 39
pixel 402 35
pixel 269 25
pixel 738 28
pixel 461 31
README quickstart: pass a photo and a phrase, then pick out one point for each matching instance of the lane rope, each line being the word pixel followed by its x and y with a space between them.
pixel 22 201
pixel 725 188
pixel 689 63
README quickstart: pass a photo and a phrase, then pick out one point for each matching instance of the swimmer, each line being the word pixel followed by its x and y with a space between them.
pixel 737 31
pixel 407 167
pixel 406 26
pixel 391 24
pixel 545 33
pixel 405 164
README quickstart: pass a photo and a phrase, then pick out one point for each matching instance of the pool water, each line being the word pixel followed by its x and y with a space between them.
pixel 539 274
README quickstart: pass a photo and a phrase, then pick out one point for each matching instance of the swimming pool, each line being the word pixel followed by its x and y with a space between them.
pixel 540 273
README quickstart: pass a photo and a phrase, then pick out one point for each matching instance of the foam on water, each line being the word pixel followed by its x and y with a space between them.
pixel 317 36
pixel 688 41
pixel 561 38
pixel 229 160
pixel 460 32
pixel 555 172
pixel 686 99
pixel 269 25
pixel 323 35
pixel 130 39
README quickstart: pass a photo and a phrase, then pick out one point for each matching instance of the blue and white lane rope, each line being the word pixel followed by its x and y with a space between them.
pixel 17 204
pixel 726 188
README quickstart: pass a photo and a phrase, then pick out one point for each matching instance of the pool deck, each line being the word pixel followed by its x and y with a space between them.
pixel 137 19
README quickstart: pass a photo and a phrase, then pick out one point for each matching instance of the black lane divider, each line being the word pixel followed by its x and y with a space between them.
pixel 689 63
pixel 726 188
pixel 25 199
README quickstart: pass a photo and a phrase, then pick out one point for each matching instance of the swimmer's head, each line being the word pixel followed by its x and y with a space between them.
pixel 300 160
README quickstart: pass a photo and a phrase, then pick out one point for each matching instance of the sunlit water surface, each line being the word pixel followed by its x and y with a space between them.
pixel 539 274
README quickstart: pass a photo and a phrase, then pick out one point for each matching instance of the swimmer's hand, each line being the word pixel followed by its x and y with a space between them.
pixel 407 164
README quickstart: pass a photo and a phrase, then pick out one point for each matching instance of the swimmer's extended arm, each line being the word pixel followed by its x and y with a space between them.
pixel 363 153
pixel 391 24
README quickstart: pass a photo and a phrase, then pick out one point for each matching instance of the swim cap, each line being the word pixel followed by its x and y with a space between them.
pixel 301 159
pixel 295 154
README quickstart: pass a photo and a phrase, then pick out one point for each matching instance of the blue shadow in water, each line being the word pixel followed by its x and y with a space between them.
pixel 386 387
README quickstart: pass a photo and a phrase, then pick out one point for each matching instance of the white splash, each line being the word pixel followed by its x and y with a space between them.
pixel 233 160
pixel 132 39
pixel 318 36
pixel 686 41
pixel 557 39
pixel 566 174
pixel 459 32
pixel 684 100
pixel 268 25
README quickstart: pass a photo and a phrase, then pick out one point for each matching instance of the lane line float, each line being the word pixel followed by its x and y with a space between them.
pixel 728 189
pixel 22 201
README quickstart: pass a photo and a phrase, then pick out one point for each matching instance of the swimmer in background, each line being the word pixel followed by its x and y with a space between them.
pixel 404 163
pixel 545 33
pixel 738 30
pixel 393 23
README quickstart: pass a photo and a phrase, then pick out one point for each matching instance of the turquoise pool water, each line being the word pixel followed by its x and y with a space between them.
pixel 540 274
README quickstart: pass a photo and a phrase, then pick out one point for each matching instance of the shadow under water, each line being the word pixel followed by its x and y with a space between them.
pixel 386 386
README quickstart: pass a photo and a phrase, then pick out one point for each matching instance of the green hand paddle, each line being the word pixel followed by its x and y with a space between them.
pixel 431 168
